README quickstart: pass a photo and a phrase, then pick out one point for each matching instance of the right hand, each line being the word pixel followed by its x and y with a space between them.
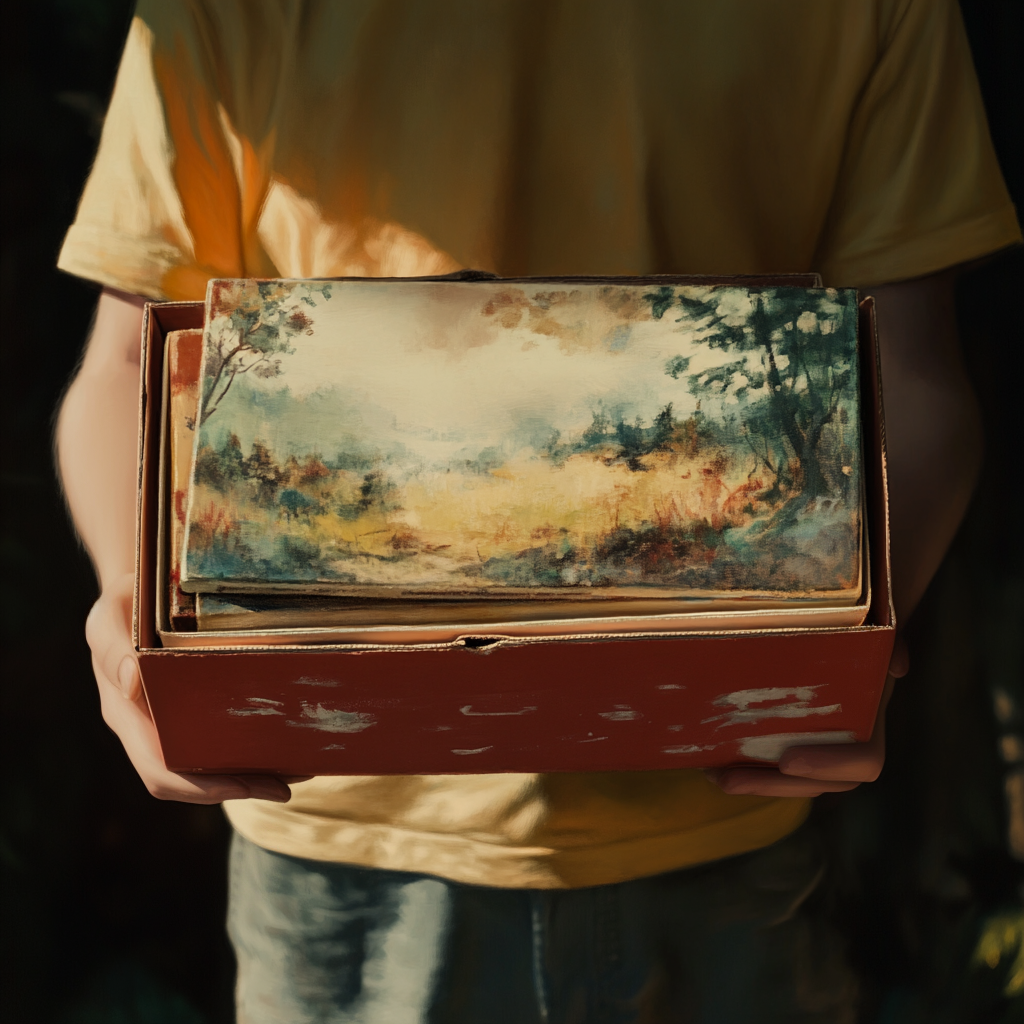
pixel 125 710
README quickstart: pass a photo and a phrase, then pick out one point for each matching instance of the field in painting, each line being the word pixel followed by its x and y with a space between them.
pixel 524 448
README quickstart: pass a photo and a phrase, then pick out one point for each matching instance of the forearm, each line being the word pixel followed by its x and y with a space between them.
pixel 97 438
pixel 934 459
pixel 933 436
pixel 933 430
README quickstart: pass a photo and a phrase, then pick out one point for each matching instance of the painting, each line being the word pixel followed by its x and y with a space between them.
pixel 467 439
pixel 184 355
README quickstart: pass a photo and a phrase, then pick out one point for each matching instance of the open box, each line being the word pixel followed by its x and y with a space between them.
pixel 487 703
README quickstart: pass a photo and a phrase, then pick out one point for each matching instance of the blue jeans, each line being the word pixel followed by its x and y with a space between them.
pixel 725 943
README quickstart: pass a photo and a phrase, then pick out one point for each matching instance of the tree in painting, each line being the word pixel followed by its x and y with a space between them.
pixel 795 365
pixel 252 327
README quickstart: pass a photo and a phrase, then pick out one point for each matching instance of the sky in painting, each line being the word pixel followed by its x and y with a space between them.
pixel 423 370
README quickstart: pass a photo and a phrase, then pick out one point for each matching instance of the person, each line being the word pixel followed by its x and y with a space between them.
pixel 535 138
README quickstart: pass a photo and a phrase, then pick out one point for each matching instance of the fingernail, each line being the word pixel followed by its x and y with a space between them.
pixel 126 677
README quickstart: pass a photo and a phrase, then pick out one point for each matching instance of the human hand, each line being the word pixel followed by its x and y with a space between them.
pixel 124 707
pixel 813 770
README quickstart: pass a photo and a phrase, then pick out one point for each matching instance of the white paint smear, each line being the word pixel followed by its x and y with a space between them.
pixel 313 681
pixel 622 713
pixel 258 706
pixel 477 750
pixel 468 710
pixel 333 719
pixel 689 748
pixel 745 709
pixel 771 748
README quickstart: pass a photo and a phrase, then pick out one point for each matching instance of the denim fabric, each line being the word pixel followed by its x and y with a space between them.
pixel 726 943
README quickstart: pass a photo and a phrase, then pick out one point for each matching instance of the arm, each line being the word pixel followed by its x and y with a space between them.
pixel 933 433
pixel 933 429
pixel 96 441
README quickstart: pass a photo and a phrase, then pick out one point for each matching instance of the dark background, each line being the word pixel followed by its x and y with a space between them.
pixel 113 903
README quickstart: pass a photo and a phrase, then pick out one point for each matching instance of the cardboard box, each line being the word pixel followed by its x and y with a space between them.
pixel 628 701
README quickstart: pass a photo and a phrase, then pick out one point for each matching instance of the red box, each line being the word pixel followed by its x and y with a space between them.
pixel 485 704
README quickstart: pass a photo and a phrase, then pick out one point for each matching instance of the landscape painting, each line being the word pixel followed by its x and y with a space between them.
pixel 468 439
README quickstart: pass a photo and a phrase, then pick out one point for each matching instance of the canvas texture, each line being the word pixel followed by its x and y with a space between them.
pixel 380 139
pixel 548 439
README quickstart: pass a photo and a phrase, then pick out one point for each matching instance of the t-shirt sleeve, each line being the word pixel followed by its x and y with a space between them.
pixel 130 229
pixel 920 188
pixel 161 211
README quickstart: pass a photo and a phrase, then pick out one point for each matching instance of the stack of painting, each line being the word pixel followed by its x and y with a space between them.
pixel 402 461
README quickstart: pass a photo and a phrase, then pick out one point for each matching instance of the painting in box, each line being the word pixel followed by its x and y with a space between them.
pixel 464 439
pixel 184 351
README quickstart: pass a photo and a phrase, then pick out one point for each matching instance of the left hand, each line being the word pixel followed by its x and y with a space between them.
pixel 813 770
pixel 126 712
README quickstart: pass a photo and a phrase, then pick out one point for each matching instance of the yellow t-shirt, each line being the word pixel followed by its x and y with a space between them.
pixel 536 137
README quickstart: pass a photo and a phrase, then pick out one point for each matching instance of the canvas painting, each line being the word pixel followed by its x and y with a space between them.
pixel 184 355
pixel 506 439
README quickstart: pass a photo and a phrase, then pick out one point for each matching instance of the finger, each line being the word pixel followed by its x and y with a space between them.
pixel 214 789
pixel 126 685
pixel 847 762
pixel 128 678
pixel 131 722
pixel 825 768
pixel 264 787
pixel 769 782
pixel 842 762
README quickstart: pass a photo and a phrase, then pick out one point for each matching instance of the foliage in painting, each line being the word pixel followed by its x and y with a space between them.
pixel 253 325
pixel 806 368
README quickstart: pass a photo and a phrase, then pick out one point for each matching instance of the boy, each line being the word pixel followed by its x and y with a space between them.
pixel 386 139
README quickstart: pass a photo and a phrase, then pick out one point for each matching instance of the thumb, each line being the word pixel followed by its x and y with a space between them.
pixel 129 678
pixel 109 636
